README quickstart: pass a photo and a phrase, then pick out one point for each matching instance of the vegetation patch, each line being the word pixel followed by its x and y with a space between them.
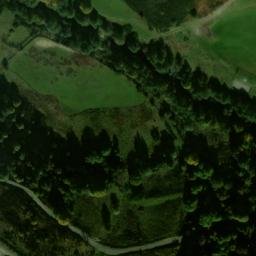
pixel 208 138
pixel 122 13
pixel 168 225
pixel 29 230
pixel 77 81
pixel 213 44
pixel 161 14
pixel 204 7
pixel 234 37
pixel 11 37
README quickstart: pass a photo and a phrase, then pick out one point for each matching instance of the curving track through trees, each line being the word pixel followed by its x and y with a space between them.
pixel 93 241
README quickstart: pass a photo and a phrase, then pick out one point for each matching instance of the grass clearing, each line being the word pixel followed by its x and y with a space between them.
pixel 149 18
pixel 235 37
pixel 6 20
pixel 77 81
pixel 168 225
pixel 153 201
pixel 198 53
pixel 90 93
pixel 125 122
pixel 11 37
pixel 222 44
pixel 120 12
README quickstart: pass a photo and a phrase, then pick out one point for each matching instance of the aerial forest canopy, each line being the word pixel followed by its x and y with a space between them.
pixel 114 141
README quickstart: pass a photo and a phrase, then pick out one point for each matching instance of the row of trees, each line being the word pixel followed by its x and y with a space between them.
pixel 216 123
pixel 61 170
pixel 220 195
pixel 53 166
pixel 156 52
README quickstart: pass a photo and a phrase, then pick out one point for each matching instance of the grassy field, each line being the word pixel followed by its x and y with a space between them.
pixel 153 18
pixel 153 201
pixel 120 12
pixel 10 37
pixel 90 93
pixel 235 37
pixel 124 122
pixel 147 17
pixel 222 44
pixel 6 19
pixel 78 82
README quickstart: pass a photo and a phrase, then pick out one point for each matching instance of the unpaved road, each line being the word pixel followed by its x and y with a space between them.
pixel 195 25
pixel 217 12
pixel 93 241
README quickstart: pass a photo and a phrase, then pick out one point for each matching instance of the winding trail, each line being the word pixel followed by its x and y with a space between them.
pixel 93 241
pixel 217 12
pixel 205 21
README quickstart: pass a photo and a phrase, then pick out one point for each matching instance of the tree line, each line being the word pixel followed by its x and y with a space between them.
pixel 215 122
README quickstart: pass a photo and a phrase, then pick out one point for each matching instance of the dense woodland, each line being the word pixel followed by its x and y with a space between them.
pixel 210 132
pixel 29 231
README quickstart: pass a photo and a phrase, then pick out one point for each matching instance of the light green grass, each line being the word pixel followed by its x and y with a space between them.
pixel 227 49
pixel 86 85
pixel 235 37
pixel 160 221
pixel 20 35
pixel 121 13
pixel 118 11
pixel 54 65
pixel 11 36
pixel 6 19
pixel 153 201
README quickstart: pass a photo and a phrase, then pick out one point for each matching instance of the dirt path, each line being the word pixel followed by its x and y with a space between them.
pixel 43 42
pixel 94 242
pixel 216 12
pixel 196 24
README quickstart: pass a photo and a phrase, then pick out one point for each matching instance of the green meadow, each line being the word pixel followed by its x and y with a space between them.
pixel 78 82
pixel 235 37
pixel 120 12
pixel 222 44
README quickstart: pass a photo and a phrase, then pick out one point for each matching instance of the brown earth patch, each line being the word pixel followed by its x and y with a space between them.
pixel 83 60
pixel 206 31
pixel 205 7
